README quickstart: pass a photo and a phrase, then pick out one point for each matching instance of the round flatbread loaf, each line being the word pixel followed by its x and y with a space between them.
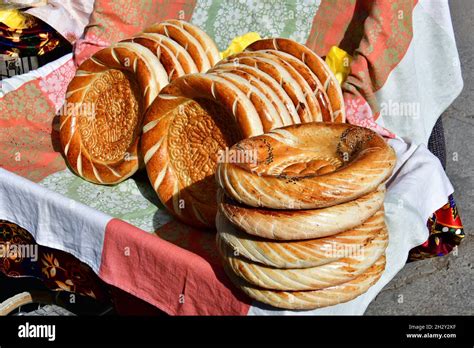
pixel 269 116
pixel 301 224
pixel 288 78
pixel 306 300
pixel 105 102
pixel 299 254
pixel 179 53
pixel 166 56
pixel 272 87
pixel 206 42
pixel 179 34
pixel 190 122
pixel 311 111
pixel 316 87
pixel 307 166
pixel 337 272
pixel 315 63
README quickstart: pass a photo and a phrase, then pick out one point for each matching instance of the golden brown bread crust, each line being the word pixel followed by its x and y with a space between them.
pixel 184 58
pixel 167 58
pixel 287 110
pixel 134 58
pixel 306 300
pixel 253 111
pixel 311 111
pixel 315 63
pixel 206 42
pixel 330 274
pixel 193 118
pixel 269 116
pixel 301 224
pixel 315 85
pixel 304 105
pixel 186 40
pixel 341 162
pixel 299 254
pixel 222 92
pixel 99 133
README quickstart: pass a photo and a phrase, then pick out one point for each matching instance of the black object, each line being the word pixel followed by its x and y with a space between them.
pixel 437 142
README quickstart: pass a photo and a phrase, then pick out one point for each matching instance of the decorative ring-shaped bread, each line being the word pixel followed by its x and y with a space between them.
pixel 105 102
pixel 282 101
pixel 307 166
pixel 157 42
pixel 299 254
pixel 167 58
pixel 186 40
pixel 287 79
pixel 315 63
pixel 301 224
pixel 269 116
pixel 316 87
pixel 311 109
pixel 311 278
pixel 205 40
pixel 306 300
pixel 190 122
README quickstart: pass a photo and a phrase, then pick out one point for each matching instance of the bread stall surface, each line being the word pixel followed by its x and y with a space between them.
pixel 198 116
pixel 301 225
pixel 254 145
pixel 101 127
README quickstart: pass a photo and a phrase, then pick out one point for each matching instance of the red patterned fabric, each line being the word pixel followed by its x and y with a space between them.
pixel 376 33
pixel 28 141
pixel 112 21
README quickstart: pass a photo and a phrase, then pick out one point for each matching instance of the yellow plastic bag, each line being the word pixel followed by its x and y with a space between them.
pixel 239 44
pixel 339 62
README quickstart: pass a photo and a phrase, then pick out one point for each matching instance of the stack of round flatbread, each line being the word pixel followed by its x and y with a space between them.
pixel 274 83
pixel 301 221
pixel 105 102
